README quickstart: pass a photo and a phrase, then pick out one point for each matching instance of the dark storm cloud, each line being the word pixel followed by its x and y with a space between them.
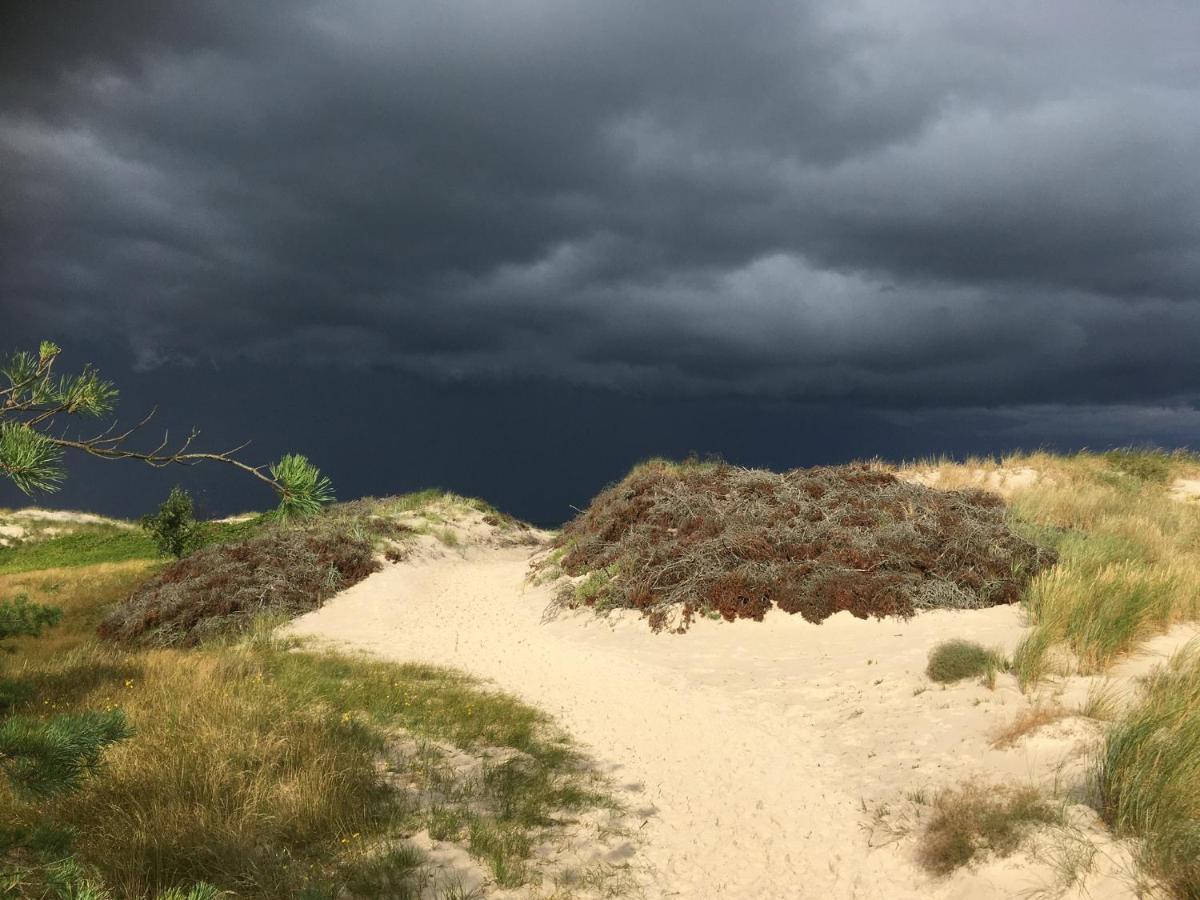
pixel 905 204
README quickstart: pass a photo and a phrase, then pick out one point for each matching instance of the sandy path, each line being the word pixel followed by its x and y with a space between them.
pixel 754 752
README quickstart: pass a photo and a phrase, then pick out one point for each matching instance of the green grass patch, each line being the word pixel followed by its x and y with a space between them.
pixel 85 546
pixel 434 702
pixel 591 589
pixel 1148 465
pixel 89 545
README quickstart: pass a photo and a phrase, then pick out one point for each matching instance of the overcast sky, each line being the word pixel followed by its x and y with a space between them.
pixel 787 232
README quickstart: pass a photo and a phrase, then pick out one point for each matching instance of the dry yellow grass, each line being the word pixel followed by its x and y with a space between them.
pixel 1027 722
pixel 979 818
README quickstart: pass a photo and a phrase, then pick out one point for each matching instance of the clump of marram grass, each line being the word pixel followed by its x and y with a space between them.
pixel 1121 603
pixel 679 540
pixel 1148 774
pixel 955 660
pixel 976 819
pixel 1129 567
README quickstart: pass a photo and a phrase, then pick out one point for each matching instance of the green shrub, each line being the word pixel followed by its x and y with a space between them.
pixel 20 618
pixel 174 528
pixel 955 660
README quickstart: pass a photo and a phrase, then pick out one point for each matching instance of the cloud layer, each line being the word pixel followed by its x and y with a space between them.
pixel 891 204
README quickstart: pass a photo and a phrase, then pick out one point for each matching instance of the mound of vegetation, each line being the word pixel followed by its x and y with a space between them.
pixel 287 569
pixel 677 540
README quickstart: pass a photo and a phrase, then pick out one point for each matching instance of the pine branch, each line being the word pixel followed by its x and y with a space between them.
pixel 31 456
pixel 20 618
pixel 30 459
pixel 42 757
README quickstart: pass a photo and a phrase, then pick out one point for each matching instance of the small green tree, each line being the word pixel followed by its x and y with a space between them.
pixel 174 527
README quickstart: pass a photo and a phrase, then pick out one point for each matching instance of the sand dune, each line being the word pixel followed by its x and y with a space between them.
pixel 771 760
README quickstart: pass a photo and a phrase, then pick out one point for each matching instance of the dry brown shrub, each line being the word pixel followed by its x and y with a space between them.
pixel 286 570
pixel 712 538
pixel 1027 722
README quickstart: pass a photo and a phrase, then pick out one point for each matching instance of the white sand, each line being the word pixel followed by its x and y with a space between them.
pixel 66 516
pixel 765 760
pixel 1001 480
pixel 8 533
pixel 1185 489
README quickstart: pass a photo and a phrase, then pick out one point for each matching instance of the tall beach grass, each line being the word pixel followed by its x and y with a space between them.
pixel 1128 550
pixel 1148 774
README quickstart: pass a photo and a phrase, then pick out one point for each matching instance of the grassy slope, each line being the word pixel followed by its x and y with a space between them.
pixel 1129 568
pixel 259 770
pixel 1129 553
pixel 88 545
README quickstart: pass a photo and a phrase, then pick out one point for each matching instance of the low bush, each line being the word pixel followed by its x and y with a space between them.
pixel 1149 774
pixel 955 660
pixel 174 528
pixel 287 569
pixel 976 819
pixel 710 538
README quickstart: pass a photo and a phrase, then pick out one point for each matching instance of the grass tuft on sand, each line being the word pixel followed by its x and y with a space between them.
pixel 976 819
pixel 955 660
